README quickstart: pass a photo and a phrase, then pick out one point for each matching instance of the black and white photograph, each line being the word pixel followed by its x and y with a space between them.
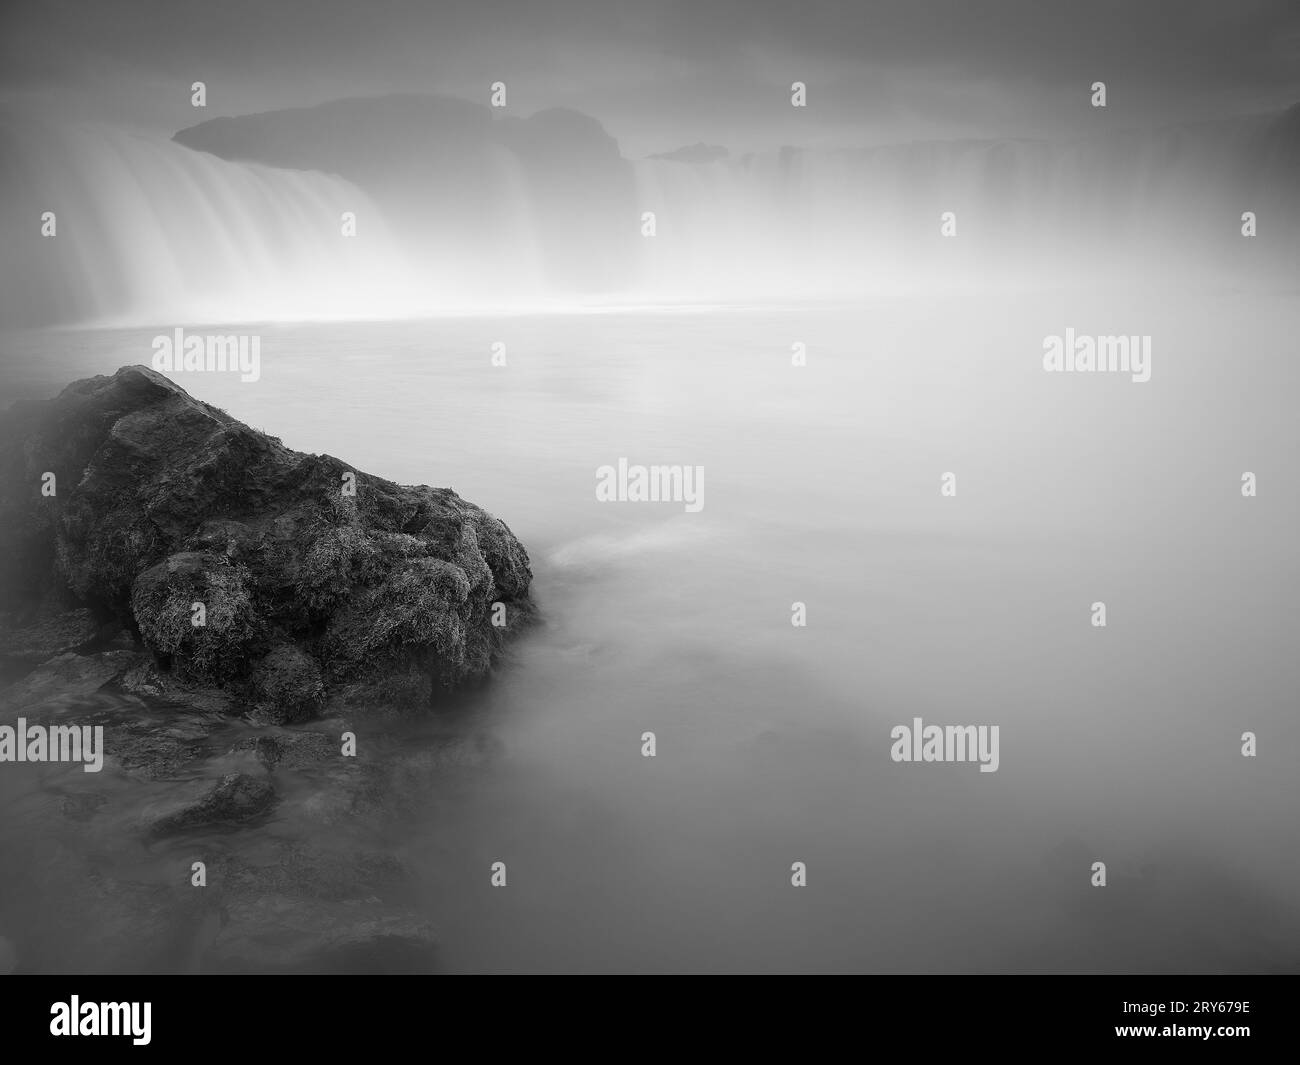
pixel 649 487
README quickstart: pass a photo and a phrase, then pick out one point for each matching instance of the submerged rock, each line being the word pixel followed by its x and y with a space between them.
pixel 280 580
pixel 276 748
pixel 51 632
pixel 235 799
pixel 63 677
pixel 276 932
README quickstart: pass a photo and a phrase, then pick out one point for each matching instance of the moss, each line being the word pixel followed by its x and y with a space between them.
pixel 287 685
pixel 163 602
pixel 339 558
pixel 165 502
pixel 421 613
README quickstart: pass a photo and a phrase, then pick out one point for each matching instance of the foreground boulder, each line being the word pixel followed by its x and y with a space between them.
pixel 281 579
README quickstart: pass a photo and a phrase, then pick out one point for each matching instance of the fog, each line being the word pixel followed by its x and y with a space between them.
pixel 841 313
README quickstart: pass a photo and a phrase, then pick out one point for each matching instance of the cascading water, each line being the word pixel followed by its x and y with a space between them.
pixel 151 230
pixel 838 223
pixel 148 231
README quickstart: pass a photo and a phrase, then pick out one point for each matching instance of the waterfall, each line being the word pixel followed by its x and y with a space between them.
pixel 148 231
pixel 832 224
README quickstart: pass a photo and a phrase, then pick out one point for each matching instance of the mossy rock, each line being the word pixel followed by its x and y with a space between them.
pixel 308 589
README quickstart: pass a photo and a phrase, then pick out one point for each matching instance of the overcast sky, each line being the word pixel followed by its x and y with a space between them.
pixel 663 74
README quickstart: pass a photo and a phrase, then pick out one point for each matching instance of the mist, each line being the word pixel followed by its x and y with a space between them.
pixel 973 319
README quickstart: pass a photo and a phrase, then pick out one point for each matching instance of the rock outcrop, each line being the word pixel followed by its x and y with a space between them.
pixel 280 580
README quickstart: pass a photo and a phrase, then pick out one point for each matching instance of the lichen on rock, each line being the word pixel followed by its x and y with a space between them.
pixel 284 579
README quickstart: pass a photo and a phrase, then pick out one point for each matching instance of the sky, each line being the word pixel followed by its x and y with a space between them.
pixel 660 75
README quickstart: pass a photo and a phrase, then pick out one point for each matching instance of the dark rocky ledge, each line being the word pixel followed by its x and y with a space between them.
pixel 325 613
pixel 315 598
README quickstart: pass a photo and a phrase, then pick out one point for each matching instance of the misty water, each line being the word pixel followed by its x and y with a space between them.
pixel 821 486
